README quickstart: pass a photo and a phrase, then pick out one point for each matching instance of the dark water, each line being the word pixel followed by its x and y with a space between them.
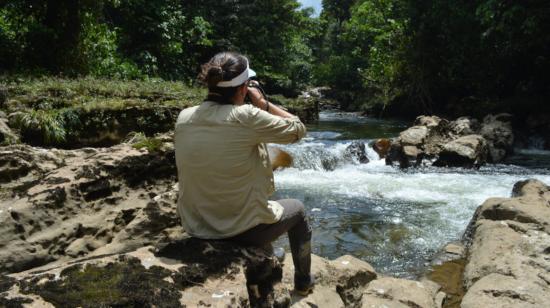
pixel 395 220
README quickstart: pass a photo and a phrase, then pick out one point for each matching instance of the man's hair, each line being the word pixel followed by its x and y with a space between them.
pixel 224 66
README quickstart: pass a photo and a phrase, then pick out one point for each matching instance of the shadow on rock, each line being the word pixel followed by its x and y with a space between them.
pixel 223 259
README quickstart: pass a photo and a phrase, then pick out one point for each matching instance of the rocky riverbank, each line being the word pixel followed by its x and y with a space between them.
pixel 508 255
pixel 61 204
pixel 194 273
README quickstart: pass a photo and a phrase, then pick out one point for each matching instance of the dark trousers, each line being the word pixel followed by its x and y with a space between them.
pixel 294 222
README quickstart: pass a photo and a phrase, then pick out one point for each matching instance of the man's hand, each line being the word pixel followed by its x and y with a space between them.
pixel 257 98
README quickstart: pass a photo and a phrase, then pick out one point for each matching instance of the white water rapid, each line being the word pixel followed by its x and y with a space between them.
pixel 394 219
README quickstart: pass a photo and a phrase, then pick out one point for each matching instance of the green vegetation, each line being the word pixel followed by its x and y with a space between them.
pixel 140 141
pixel 120 284
pixel 93 93
pixel 389 57
pixel 91 111
pixel 44 124
pixel 135 39
pixel 448 57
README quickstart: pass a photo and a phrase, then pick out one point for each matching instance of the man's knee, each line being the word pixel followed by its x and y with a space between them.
pixel 300 209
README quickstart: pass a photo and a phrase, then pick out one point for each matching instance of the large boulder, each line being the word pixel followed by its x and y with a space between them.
pixel 356 152
pixel 468 151
pixel 508 240
pixel 460 143
pixel 415 135
pixel 430 121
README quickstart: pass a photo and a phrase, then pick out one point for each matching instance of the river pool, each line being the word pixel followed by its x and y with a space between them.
pixel 394 219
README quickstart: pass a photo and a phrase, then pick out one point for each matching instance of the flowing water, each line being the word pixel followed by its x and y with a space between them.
pixel 394 219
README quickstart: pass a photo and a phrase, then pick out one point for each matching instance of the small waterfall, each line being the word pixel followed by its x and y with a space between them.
pixel 326 156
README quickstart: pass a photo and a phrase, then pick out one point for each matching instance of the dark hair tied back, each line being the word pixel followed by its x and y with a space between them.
pixel 214 75
pixel 223 66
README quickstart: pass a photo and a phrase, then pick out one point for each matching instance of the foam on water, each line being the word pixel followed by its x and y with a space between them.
pixel 394 219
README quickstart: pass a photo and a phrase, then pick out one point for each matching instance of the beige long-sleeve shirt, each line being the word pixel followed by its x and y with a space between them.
pixel 224 172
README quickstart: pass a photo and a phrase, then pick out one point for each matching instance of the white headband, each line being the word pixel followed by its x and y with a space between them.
pixel 239 80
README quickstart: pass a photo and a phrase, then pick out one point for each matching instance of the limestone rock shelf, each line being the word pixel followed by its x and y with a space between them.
pixel 196 273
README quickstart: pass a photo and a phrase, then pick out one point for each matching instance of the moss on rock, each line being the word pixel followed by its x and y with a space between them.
pixel 123 284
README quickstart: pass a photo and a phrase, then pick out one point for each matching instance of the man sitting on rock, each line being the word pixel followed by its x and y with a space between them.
pixel 224 173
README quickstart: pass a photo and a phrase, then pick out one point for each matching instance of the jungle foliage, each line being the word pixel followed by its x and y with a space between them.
pixel 434 56
pixel 136 39
pixel 392 57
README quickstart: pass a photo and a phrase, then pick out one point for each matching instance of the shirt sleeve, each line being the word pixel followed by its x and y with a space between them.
pixel 269 128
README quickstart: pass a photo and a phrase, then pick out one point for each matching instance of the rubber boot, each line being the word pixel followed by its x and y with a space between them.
pixel 303 280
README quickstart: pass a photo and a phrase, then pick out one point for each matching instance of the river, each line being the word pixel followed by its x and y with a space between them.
pixel 394 219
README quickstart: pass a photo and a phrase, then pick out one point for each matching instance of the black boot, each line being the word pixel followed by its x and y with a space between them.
pixel 303 280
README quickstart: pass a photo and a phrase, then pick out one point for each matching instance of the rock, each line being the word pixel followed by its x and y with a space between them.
pixel 382 147
pixel 464 126
pixel 508 250
pixel 189 272
pixel 532 188
pixel 18 161
pixel 63 204
pixel 392 292
pixel 497 130
pixel 7 136
pixel 459 143
pixel 415 135
pixel 404 156
pixel 420 143
pixel 338 282
pixel 495 290
pixel 454 249
pixel 468 151
pixel 356 151
pixel 430 121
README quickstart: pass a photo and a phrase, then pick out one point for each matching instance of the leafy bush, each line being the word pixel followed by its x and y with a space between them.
pixel 100 47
